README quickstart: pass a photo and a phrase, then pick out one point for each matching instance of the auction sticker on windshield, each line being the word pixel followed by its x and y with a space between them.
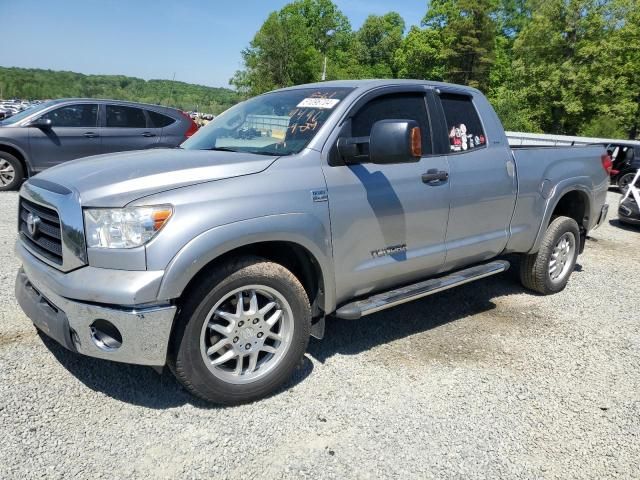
pixel 327 103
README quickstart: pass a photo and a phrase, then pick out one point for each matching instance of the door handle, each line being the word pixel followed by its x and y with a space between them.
pixel 434 176
pixel 91 135
pixel 148 134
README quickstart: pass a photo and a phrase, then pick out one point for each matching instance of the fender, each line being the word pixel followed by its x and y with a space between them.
pixel 213 243
pixel 582 184
pixel 7 143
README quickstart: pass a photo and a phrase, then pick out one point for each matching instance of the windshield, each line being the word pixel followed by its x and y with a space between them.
pixel 278 123
pixel 18 117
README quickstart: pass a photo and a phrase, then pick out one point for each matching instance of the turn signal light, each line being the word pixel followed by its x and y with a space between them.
pixel 416 142
pixel 160 217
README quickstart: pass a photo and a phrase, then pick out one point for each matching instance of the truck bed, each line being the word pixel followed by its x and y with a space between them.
pixel 542 174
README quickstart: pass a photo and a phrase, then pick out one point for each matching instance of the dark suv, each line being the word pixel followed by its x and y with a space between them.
pixel 626 162
pixel 60 130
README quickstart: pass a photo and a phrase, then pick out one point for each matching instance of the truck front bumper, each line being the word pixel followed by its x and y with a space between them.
pixel 138 335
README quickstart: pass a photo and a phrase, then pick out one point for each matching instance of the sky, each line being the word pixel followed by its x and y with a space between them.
pixel 200 41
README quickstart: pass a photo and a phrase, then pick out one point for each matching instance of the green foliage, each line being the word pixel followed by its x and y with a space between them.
pixel 552 56
pixel 280 54
pixel 290 46
pixel 465 33
pixel 376 43
pixel 512 16
pixel 603 126
pixel 620 66
pixel 292 43
pixel 573 68
pixel 421 55
pixel 513 111
pixel 556 66
pixel 326 25
pixel 48 84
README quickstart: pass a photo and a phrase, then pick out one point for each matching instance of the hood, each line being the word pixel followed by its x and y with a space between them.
pixel 116 179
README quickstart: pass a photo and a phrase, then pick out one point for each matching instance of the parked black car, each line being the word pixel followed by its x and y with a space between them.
pixel 56 131
pixel 629 209
pixel 628 212
pixel 626 162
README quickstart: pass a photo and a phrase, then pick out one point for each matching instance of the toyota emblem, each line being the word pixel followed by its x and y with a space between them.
pixel 32 224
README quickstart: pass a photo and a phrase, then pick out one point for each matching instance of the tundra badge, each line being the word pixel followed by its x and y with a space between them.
pixel 389 250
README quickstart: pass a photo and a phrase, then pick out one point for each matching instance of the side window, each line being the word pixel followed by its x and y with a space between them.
pixel 158 120
pixel 80 115
pixel 463 123
pixel 125 117
pixel 400 106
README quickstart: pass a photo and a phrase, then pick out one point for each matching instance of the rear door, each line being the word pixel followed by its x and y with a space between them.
pixel 482 182
pixel 127 128
pixel 73 134
pixel 167 129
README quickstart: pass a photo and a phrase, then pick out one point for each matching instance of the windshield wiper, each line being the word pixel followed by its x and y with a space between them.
pixel 270 153
pixel 224 149
pixel 255 152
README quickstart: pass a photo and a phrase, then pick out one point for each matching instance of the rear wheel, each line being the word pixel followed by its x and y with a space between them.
pixel 242 332
pixel 11 172
pixel 548 270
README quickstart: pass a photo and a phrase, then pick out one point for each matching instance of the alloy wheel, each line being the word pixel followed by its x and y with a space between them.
pixel 7 172
pixel 246 334
pixel 561 257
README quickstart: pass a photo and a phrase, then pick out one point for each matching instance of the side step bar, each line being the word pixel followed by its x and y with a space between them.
pixel 382 301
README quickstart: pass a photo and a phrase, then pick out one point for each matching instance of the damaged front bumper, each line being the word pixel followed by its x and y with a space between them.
pixel 138 335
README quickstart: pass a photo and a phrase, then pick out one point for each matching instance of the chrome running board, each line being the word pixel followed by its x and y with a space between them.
pixel 382 301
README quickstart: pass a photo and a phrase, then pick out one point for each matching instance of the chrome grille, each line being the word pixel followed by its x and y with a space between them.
pixel 45 239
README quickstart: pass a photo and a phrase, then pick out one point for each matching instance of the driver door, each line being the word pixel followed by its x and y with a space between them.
pixel 388 226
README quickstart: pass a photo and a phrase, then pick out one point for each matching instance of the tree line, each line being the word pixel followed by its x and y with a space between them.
pixel 555 66
pixel 45 84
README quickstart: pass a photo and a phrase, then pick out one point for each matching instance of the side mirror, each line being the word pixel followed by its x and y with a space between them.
pixel 395 141
pixel 391 141
pixel 353 150
pixel 40 123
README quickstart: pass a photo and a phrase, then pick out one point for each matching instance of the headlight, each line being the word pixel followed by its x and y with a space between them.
pixel 124 227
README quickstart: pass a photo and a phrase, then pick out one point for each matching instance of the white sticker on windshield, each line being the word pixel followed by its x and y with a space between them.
pixel 326 103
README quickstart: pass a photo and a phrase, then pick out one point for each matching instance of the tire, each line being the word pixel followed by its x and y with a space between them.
pixel 535 269
pixel 11 172
pixel 210 325
pixel 624 180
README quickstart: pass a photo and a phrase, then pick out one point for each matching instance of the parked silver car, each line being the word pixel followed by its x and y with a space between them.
pixel 56 131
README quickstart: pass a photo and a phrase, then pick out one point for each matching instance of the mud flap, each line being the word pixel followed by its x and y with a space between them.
pixel 317 328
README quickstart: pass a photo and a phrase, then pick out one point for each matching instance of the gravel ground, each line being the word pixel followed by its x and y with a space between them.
pixel 483 381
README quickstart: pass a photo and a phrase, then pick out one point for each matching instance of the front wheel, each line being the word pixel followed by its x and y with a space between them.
pixel 548 270
pixel 242 332
pixel 11 172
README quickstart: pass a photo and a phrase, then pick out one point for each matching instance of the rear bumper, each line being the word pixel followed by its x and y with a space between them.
pixel 144 332
pixel 630 221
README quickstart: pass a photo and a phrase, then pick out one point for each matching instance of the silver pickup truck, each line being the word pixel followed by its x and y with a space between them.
pixel 221 258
